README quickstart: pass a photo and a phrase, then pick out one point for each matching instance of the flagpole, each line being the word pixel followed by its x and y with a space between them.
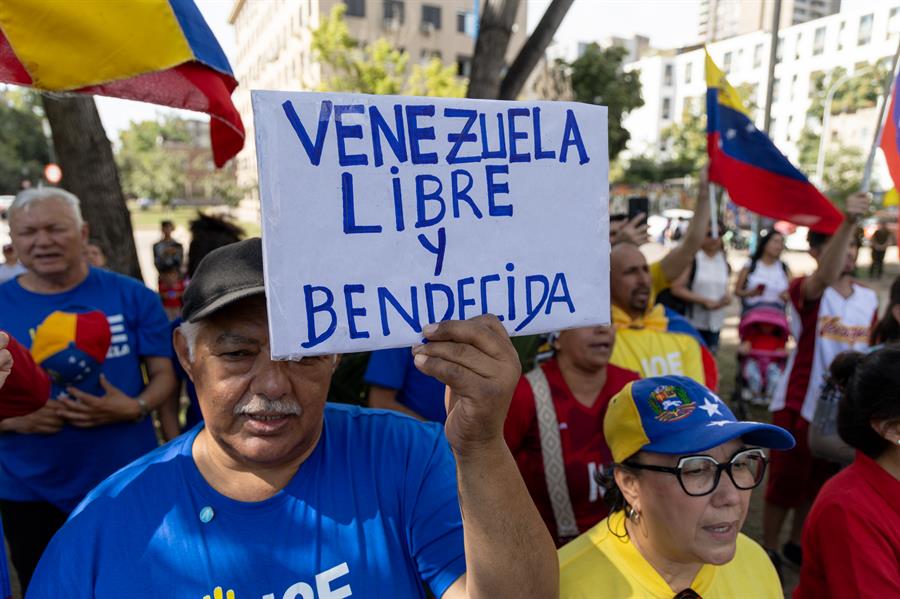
pixel 713 214
pixel 882 113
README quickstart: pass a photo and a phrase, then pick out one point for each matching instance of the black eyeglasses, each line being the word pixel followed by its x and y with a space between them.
pixel 699 474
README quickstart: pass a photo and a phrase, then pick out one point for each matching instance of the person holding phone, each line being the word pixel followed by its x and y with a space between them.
pixel 764 280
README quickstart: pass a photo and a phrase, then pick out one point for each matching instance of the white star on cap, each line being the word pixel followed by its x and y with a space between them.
pixel 719 422
pixel 710 408
pixel 730 133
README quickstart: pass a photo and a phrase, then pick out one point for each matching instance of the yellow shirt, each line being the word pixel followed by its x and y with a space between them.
pixel 651 346
pixel 658 281
pixel 600 565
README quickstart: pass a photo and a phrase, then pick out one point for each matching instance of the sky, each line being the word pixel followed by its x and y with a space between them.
pixel 668 23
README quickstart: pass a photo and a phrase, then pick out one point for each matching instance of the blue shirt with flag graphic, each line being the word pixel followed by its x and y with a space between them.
pixel 372 512
pixel 61 468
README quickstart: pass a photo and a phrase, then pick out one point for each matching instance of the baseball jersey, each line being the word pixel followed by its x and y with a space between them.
pixel 584 448
pixel 372 512
pixel 823 328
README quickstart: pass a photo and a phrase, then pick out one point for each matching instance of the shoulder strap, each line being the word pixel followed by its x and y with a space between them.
pixel 551 452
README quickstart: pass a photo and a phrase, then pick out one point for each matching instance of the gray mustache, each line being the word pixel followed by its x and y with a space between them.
pixel 260 405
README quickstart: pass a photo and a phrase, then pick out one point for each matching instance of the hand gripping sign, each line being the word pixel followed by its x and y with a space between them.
pixel 382 214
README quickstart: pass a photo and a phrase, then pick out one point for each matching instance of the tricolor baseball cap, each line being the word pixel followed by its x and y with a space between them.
pixel 71 348
pixel 678 416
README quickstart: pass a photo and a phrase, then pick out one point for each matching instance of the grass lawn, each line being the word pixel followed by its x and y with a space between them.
pixel 151 217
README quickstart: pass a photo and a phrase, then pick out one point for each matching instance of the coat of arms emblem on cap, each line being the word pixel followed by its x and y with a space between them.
pixel 671 403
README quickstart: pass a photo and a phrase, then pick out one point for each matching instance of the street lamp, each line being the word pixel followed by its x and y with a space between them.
pixel 826 117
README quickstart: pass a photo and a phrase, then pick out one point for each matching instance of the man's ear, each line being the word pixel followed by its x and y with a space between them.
pixel 181 350
pixel 85 232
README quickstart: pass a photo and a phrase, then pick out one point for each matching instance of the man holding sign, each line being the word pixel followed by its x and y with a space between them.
pixel 279 495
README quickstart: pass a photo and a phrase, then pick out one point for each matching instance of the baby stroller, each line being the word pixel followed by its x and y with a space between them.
pixel 763 333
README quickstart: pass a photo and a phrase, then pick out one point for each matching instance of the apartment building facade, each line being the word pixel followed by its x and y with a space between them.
pixel 674 81
pixel 721 19
pixel 274 46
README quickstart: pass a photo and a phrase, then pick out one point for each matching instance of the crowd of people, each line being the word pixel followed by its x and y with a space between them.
pixel 464 476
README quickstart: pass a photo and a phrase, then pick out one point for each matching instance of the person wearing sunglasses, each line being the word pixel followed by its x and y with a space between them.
pixel 678 493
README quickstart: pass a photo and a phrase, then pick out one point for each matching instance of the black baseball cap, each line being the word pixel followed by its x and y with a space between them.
pixel 226 275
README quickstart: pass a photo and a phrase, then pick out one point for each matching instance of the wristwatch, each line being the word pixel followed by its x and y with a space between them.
pixel 145 409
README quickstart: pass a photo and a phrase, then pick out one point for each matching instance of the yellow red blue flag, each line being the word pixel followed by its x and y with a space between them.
pixel 743 160
pixel 159 51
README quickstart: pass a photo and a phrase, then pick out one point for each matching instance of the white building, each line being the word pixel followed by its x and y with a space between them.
pixel 721 19
pixel 672 81
pixel 274 40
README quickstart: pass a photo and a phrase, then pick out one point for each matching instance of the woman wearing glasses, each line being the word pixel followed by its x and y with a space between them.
pixel 678 497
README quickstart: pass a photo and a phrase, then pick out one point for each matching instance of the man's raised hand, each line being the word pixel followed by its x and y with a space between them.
pixel 479 365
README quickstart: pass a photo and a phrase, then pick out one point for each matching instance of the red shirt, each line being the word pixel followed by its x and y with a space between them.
pixel 851 541
pixel 581 433
pixel 27 387
pixel 171 293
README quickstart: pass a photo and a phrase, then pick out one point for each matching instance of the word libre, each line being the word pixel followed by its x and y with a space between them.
pixel 382 214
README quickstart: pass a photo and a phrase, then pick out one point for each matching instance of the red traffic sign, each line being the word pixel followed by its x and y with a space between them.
pixel 52 173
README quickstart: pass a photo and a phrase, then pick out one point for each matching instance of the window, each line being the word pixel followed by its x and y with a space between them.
pixel 798 45
pixel 793 86
pixel 460 22
pixel 394 11
pixel 865 30
pixel 667 75
pixel 819 41
pixel 757 56
pixel 813 78
pixel 355 8
pixel 778 49
pixel 726 62
pixel 667 108
pixel 431 17
pixel 427 55
pixel 841 35
pixel 464 66
pixel 688 72
pixel 776 84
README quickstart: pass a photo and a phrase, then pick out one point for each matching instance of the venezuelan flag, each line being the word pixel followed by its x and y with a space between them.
pixel 159 51
pixel 890 139
pixel 756 174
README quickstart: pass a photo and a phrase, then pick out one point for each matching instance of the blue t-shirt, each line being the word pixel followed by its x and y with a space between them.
pixel 61 468
pixel 5 586
pixel 373 511
pixel 394 369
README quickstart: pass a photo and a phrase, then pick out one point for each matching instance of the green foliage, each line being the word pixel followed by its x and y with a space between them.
pixel 161 160
pixel 377 68
pixel 597 78
pixel 688 143
pixel 23 147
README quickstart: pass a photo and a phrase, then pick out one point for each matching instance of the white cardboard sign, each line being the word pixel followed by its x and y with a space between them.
pixel 382 214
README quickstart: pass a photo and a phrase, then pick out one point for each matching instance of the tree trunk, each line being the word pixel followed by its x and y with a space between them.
pixel 89 171
pixel 533 50
pixel 494 31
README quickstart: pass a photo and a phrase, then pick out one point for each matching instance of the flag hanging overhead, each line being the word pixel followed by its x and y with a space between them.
pixel 756 174
pixel 158 51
